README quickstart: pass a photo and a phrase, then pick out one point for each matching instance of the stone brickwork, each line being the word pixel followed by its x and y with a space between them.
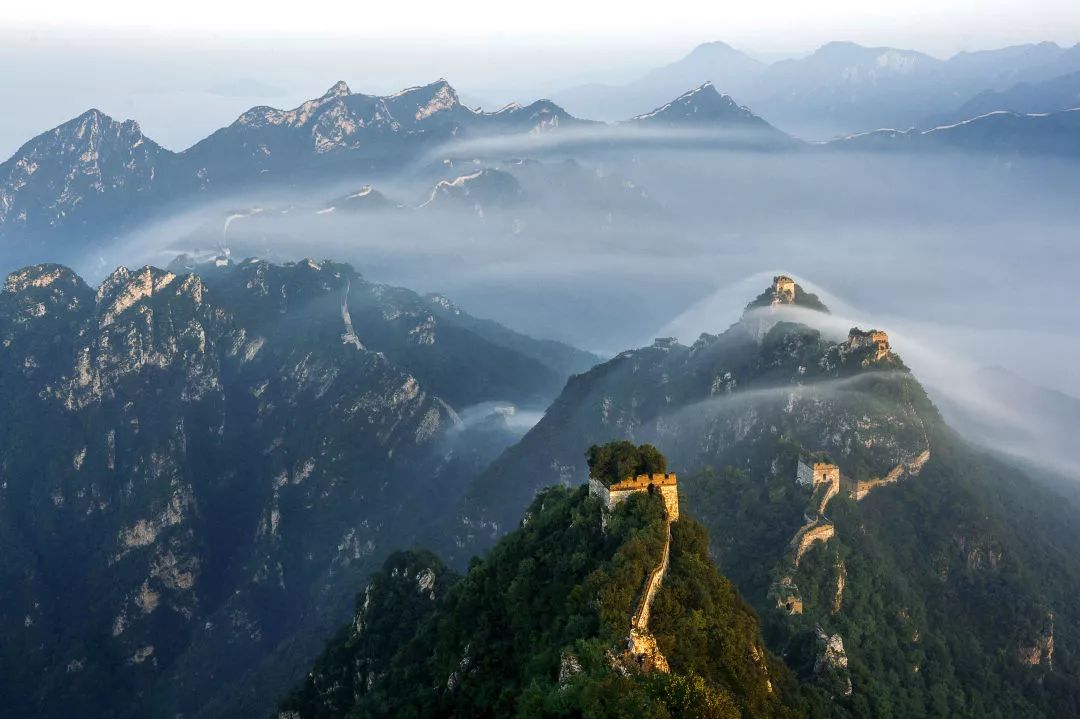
pixel 874 340
pixel 783 290
pixel 666 485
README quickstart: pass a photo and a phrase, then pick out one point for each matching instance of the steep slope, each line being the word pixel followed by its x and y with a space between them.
pixel 704 117
pixel 198 470
pixel 703 105
pixel 913 575
pixel 78 174
pixel 538 626
pixel 560 358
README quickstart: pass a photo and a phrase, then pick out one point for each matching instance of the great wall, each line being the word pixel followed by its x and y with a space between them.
pixel 641 648
pixel 826 482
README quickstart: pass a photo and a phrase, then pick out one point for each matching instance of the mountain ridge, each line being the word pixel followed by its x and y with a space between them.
pixel 228 454
pixel 916 517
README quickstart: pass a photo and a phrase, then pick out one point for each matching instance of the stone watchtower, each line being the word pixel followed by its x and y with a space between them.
pixel 874 340
pixel 665 485
pixel 783 290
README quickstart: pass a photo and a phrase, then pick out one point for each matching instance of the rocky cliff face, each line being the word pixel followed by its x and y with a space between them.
pixel 81 172
pixel 196 470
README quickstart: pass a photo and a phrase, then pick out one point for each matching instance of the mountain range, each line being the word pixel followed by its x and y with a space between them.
pixel 840 89
pixel 79 186
pixel 93 167
pixel 93 177
pixel 202 464
pixel 198 469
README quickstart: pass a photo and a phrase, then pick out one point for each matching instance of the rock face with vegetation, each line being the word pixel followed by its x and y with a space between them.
pixel 198 468
pixel 936 590
pixel 539 628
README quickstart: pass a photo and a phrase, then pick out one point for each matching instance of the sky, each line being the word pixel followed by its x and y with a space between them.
pixel 936 26
pixel 183 70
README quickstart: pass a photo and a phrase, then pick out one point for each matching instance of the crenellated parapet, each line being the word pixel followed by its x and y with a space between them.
pixel 665 485
pixel 783 290
pixel 859 488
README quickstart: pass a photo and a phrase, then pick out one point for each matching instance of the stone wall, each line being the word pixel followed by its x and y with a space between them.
pixel 876 340
pixel 858 489
pixel 811 535
pixel 783 289
pixel 663 484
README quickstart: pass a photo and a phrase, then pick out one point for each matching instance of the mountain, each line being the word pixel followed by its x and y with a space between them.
pixel 1003 134
pixel 1006 66
pixel 715 62
pixel 93 176
pixel 1054 95
pixel 354 129
pixel 539 626
pixel 844 87
pixel 556 356
pixel 702 106
pixel 704 118
pixel 199 468
pixel 841 88
pixel 80 173
pixel 895 567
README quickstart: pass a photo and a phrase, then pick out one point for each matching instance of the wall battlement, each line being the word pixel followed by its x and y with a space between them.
pixel 783 290
pixel 666 485
pixel 858 489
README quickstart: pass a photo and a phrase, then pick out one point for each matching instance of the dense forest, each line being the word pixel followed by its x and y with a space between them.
pixel 538 626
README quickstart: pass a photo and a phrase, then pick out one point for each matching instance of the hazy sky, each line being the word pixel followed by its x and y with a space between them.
pixel 939 26
pixel 185 69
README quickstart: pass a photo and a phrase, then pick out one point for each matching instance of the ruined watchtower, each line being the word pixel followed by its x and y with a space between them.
pixel 825 473
pixel 783 290
pixel 664 484
pixel 875 340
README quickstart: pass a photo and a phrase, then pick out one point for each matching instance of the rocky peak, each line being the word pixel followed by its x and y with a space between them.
pixel 338 89
pixel 124 288
pixel 417 104
pixel 41 276
pixel 44 291
pixel 59 171
pixel 703 104
pixel 776 302
pixel 94 127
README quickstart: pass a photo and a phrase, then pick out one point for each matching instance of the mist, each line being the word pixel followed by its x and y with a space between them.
pixel 605 238
pixel 625 246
